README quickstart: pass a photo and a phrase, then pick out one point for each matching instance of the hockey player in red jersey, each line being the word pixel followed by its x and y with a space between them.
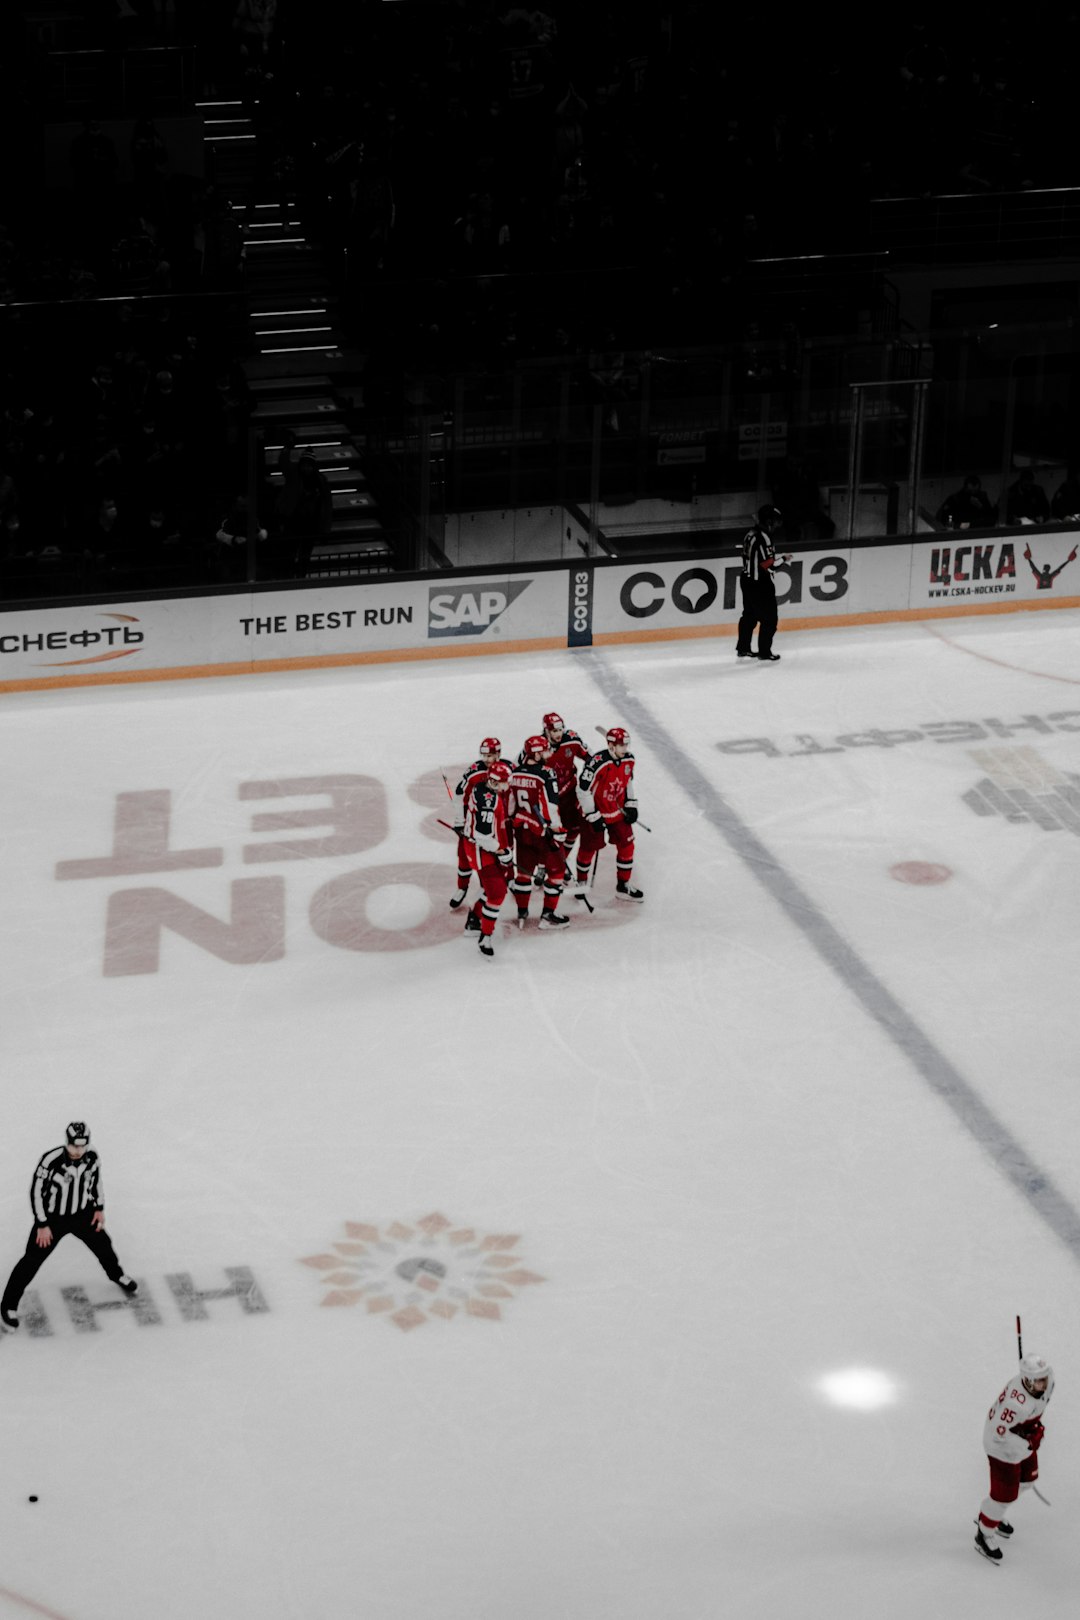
pixel 490 751
pixel 534 814
pixel 1011 1437
pixel 489 847
pixel 567 749
pixel 609 803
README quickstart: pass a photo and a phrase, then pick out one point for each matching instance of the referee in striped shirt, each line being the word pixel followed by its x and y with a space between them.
pixel 65 1196
pixel 758 590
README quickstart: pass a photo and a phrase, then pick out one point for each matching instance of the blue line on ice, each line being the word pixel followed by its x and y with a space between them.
pixel 968 1108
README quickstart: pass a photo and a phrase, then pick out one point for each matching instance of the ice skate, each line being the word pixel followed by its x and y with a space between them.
pixel 551 919
pixel 472 923
pixel 623 891
pixel 457 899
pixel 986 1544
pixel 127 1284
pixel 9 1321
pixel 485 945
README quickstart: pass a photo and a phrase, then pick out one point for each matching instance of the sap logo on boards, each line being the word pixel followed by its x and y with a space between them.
pixel 469 610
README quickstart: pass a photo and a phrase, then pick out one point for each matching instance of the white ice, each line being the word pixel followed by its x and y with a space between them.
pixel 735 1180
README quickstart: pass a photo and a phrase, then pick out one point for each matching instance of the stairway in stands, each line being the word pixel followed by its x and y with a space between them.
pixel 298 374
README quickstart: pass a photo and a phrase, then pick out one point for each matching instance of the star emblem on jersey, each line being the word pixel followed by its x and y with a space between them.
pixel 414 1274
pixel 1021 786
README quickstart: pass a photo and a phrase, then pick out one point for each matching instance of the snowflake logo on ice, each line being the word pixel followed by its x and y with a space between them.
pixel 411 1274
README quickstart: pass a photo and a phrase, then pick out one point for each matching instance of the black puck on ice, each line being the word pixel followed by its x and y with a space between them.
pixel 31 1498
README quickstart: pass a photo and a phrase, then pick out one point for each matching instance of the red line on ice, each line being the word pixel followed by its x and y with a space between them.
pixel 28 1603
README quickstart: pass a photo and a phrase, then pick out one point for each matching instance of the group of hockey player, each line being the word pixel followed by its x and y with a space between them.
pixel 517 825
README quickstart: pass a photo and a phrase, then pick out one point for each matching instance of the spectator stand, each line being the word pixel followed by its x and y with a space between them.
pixel 125 404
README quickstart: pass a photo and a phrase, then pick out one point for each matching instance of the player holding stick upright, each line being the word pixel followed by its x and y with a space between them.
pixel 490 751
pixel 609 802
pixel 1012 1435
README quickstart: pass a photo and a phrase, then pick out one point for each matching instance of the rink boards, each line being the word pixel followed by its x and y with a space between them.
pixel 587 603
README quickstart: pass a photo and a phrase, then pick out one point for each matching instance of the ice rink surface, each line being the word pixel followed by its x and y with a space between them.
pixel 515 1290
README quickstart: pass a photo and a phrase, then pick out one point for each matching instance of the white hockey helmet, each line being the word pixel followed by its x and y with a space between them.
pixel 1033 1369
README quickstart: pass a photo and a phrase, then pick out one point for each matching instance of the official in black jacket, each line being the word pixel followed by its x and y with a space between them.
pixel 758 589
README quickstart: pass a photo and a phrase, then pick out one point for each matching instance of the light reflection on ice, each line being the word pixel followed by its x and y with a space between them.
pixel 863 1389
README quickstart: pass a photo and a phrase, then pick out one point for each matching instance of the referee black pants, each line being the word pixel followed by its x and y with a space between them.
pixel 26 1269
pixel 759 608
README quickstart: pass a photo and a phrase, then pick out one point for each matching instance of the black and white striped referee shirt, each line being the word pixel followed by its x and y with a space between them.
pixel 65 1187
pixel 757 554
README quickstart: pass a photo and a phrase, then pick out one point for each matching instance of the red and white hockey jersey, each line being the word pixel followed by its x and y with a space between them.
pixel 564 762
pixel 607 784
pixel 1013 1409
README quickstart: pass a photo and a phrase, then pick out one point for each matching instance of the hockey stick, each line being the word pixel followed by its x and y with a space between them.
pixel 446 785
pixel 1045 1500
pixel 579 894
pixel 447 825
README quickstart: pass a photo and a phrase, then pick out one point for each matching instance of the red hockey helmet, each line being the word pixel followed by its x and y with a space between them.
pixel 490 745
pixel 554 722
pixel 617 735
pixel 536 747
pixel 500 773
